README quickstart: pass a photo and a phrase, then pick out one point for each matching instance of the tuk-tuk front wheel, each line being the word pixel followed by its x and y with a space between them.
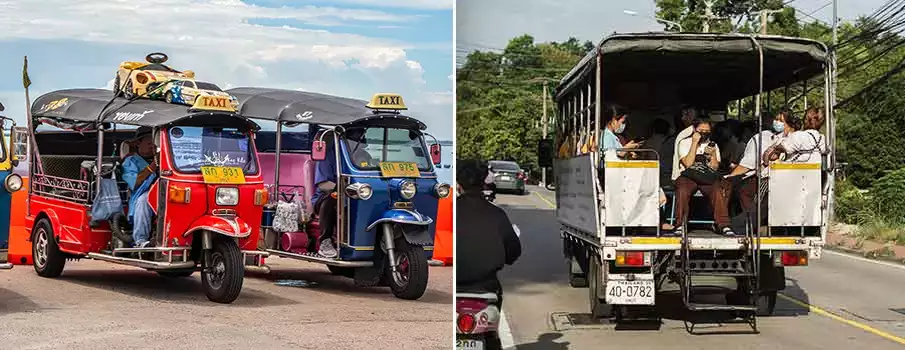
pixel 409 281
pixel 224 272
pixel 48 259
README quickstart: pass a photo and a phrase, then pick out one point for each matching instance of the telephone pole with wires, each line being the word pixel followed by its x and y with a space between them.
pixel 709 16
pixel 764 14
pixel 544 120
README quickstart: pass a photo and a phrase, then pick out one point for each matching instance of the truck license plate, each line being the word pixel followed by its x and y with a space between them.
pixel 638 292
pixel 469 344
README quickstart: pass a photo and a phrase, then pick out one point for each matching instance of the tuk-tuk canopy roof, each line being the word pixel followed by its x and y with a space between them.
pixel 660 69
pixel 293 106
pixel 98 105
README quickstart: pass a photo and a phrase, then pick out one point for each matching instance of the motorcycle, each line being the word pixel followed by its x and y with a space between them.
pixel 477 320
pixel 489 192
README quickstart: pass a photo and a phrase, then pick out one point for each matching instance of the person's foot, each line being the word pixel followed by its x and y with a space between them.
pixel 727 231
pixel 679 231
pixel 327 249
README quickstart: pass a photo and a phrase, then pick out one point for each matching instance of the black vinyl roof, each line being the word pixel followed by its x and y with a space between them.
pixel 98 105
pixel 293 106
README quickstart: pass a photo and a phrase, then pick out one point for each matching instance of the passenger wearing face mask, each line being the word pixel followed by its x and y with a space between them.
pixel 615 124
pixel 700 159
pixel 743 176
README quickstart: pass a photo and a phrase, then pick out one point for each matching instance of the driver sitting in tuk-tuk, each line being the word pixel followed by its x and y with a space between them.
pixel 325 180
pixel 139 175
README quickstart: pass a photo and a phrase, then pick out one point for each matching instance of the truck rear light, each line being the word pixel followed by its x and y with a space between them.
pixel 180 195
pixel 791 258
pixel 626 258
pixel 466 323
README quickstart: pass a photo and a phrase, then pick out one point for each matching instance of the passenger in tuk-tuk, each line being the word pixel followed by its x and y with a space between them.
pixel 615 124
pixel 697 166
pixel 139 172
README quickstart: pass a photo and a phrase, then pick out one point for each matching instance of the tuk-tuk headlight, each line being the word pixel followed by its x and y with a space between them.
pixel 442 190
pixel 359 191
pixel 407 189
pixel 227 196
pixel 13 183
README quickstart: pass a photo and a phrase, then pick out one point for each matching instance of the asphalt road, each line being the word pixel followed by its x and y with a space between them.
pixel 100 305
pixel 838 302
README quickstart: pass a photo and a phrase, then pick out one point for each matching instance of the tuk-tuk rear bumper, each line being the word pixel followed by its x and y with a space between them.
pixel 6 266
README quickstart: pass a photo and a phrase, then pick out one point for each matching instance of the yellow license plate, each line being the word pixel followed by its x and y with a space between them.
pixel 222 175
pixel 399 169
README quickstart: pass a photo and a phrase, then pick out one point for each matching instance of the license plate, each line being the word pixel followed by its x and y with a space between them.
pixel 469 344
pixel 399 169
pixel 505 178
pixel 638 292
pixel 222 175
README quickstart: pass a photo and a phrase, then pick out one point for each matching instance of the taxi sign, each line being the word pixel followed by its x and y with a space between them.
pixel 399 169
pixel 213 103
pixel 222 175
pixel 387 101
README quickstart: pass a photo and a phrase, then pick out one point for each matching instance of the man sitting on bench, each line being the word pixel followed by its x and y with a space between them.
pixel 139 175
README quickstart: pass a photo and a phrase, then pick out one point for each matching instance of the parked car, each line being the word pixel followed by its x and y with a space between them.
pixel 508 176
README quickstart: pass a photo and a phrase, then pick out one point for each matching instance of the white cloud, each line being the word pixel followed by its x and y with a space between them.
pixel 417 4
pixel 218 40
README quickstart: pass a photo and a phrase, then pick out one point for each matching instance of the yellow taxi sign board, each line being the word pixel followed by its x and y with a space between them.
pixel 213 103
pixel 222 175
pixel 387 101
pixel 399 169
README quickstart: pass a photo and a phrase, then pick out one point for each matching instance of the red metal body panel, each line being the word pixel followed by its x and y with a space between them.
pixel 70 220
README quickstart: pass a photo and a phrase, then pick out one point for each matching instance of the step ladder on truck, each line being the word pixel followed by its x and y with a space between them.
pixel 608 203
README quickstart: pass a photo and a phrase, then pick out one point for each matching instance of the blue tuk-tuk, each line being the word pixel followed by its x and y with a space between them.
pixel 387 192
pixel 11 183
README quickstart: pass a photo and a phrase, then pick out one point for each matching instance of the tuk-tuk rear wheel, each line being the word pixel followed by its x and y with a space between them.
pixel 49 261
pixel 410 280
pixel 223 278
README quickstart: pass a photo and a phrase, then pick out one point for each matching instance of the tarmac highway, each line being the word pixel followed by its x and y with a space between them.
pixel 98 305
pixel 838 302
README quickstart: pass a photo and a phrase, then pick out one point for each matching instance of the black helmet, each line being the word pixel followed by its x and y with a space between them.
pixel 470 174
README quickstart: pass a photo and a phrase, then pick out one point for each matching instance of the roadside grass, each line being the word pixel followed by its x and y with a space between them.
pixel 880 228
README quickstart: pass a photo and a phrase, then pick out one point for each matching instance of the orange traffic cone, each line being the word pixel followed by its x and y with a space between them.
pixel 443 238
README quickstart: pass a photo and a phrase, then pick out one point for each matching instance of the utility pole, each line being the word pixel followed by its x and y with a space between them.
pixel 708 15
pixel 763 19
pixel 543 171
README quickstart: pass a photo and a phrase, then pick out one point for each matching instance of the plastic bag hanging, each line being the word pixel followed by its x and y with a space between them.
pixel 286 218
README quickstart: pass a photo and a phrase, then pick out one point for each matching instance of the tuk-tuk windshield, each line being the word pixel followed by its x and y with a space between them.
pixel 386 145
pixel 193 147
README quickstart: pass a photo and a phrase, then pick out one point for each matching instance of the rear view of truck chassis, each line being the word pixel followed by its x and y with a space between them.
pixel 608 207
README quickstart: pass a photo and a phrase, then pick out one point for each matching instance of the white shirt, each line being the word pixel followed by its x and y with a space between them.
pixel 685 133
pixel 751 158
pixel 684 146
pixel 804 146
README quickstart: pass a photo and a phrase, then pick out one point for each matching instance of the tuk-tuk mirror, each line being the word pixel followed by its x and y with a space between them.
pixel 13 158
pixel 545 153
pixel 319 150
pixel 435 154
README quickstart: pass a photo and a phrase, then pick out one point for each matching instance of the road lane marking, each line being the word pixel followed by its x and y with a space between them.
pixel 550 203
pixel 816 309
pixel 833 316
pixel 505 333
pixel 878 262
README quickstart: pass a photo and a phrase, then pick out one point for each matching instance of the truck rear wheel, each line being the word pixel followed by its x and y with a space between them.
pixel 598 308
pixel 223 277
pixel 49 261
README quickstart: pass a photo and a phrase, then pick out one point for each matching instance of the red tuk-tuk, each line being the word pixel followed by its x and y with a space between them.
pixel 207 197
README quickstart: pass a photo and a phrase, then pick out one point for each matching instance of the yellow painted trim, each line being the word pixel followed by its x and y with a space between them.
pixel 795 166
pixel 632 164
pixel 656 240
pixel 778 240
pixel 835 317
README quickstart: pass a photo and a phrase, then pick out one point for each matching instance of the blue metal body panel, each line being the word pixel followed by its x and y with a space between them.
pixel 6 199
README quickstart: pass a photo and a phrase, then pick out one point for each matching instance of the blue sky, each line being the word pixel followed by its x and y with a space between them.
pixel 483 24
pixel 351 48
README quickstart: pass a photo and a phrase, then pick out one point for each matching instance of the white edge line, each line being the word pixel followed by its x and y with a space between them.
pixel 850 256
pixel 505 332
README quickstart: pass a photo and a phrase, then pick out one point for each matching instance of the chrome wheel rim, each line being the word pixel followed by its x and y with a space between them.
pixel 41 248
pixel 216 273
pixel 401 275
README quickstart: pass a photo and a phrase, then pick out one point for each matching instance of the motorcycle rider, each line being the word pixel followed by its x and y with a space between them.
pixel 485 238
